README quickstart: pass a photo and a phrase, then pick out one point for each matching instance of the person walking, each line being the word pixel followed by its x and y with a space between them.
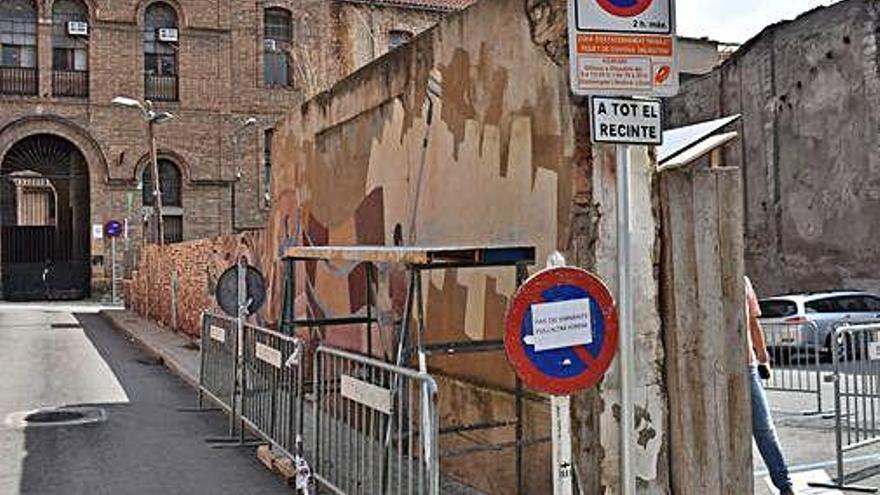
pixel 762 423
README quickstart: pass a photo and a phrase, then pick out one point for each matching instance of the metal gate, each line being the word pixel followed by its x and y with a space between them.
pixel 856 377
pixel 44 220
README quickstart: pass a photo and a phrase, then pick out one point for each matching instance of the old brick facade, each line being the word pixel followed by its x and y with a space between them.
pixel 222 70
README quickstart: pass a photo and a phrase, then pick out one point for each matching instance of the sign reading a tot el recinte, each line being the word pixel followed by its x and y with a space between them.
pixel 626 120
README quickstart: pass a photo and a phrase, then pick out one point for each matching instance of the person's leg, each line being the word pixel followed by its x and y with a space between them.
pixel 765 435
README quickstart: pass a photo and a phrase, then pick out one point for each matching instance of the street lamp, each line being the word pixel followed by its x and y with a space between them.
pixel 235 160
pixel 153 118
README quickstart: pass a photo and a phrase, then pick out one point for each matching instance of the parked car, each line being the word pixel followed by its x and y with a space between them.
pixel 805 323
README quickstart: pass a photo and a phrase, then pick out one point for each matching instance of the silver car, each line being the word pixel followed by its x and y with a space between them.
pixel 806 322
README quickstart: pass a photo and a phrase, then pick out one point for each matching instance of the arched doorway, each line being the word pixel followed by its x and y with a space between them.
pixel 44 219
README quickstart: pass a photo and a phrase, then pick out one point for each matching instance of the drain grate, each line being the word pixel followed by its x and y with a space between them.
pixel 56 416
pixel 149 361
pixel 65 325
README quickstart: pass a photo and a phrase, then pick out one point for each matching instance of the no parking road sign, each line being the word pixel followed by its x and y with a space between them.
pixel 561 331
pixel 623 47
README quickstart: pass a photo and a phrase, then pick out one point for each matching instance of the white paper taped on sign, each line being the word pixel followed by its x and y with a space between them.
pixel 557 325
pixel 217 333
pixel 268 354
pixel 370 395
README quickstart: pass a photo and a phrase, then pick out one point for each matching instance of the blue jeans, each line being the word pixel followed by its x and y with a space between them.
pixel 765 434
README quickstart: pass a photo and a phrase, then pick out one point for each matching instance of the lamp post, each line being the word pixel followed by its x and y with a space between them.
pixel 153 118
pixel 235 158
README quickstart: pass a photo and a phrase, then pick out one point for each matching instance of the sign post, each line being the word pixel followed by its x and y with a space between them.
pixel 621 50
pixel 113 229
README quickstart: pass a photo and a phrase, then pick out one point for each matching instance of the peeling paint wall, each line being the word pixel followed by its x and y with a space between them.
pixel 469 135
pixel 808 91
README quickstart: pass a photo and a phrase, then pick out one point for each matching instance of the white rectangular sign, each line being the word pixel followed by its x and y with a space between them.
pixel 97 231
pixel 268 354
pixel 626 121
pixel 217 333
pixel 370 395
pixel 557 325
pixel 623 48
pixel 873 351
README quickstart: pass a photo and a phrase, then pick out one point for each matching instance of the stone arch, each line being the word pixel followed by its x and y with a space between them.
pixel 19 129
pixel 167 154
pixel 142 5
pixel 90 8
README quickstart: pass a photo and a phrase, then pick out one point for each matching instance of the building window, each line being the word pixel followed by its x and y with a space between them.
pixel 267 165
pixel 170 186
pixel 18 47
pixel 160 53
pixel 70 49
pixel 397 38
pixel 277 35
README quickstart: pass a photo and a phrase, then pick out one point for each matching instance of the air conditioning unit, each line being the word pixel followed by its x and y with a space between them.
pixel 78 28
pixel 270 45
pixel 168 35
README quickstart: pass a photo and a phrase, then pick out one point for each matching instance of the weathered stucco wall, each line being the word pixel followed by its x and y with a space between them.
pixel 808 91
pixel 469 135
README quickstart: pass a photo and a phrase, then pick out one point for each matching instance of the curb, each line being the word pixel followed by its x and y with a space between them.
pixel 167 360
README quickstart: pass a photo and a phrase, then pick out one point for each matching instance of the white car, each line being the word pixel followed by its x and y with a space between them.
pixel 806 322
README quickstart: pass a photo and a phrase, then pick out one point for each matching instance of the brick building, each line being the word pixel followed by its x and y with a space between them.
pixel 72 161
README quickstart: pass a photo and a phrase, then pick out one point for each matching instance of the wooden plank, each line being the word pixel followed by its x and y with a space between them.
pixel 417 255
pixel 712 324
pixel 730 228
pixel 710 430
pixel 679 319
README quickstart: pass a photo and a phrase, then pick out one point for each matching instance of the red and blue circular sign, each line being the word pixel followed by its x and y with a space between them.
pixel 624 8
pixel 551 368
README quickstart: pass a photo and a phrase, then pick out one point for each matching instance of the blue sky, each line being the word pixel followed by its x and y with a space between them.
pixel 736 21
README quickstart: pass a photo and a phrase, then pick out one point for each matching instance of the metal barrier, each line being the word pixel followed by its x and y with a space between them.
pixel 272 402
pixel 218 350
pixel 376 426
pixel 856 376
pixel 797 350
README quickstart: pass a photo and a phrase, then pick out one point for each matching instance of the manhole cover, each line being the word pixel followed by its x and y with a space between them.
pixel 61 416
pixel 57 416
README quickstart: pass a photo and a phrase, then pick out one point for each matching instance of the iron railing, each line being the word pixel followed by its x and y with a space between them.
pixel 160 88
pixel 797 350
pixel 71 83
pixel 18 81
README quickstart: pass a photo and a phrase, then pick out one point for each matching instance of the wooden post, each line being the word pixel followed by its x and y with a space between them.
pixel 704 331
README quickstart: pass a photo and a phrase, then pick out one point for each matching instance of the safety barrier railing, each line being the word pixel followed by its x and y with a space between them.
pixel 376 426
pixel 273 402
pixel 856 377
pixel 218 351
pixel 796 350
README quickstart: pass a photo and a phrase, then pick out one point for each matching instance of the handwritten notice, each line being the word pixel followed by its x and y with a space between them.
pixel 558 325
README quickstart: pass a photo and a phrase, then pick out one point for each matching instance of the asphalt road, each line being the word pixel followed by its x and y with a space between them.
pixel 146 445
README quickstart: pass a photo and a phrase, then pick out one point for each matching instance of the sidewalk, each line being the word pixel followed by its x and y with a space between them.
pixel 175 349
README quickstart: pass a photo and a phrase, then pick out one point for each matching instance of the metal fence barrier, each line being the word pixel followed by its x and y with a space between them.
pixel 273 402
pixel 797 350
pixel 856 376
pixel 218 350
pixel 376 426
